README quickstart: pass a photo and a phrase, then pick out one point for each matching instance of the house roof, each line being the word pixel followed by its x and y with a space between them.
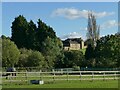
pixel 68 42
pixel 73 42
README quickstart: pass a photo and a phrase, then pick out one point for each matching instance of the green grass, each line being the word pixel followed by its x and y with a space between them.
pixel 50 83
pixel 68 84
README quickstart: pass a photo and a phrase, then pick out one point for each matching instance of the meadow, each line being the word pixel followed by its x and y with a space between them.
pixel 68 84
pixel 105 79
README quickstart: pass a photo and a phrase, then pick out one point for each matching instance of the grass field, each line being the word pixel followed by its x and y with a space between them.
pixel 96 80
pixel 68 84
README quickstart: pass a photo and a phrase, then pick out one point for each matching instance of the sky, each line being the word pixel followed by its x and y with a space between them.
pixel 68 19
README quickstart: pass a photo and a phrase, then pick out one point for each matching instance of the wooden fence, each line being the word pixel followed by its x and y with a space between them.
pixel 60 75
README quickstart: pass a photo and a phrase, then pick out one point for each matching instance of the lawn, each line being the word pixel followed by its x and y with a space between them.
pixel 61 81
pixel 68 84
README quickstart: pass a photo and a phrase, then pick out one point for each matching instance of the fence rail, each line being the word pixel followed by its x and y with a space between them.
pixel 68 72
pixel 64 69
pixel 59 75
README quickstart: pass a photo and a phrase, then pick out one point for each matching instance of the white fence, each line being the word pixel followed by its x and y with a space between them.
pixel 60 75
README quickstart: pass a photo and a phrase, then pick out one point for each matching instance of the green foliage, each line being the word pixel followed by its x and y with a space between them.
pixel 23 59
pixel 59 63
pixel 4 37
pixel 51 49
pixel 0 52
pixel 10 53
pixel 89 52
pixel 73 59
pixel 30 58
pixel 35 59
pixel 31 35
pixel 43 32
pixel 83 51
pixel 48 44
pixel 42 48
pixel 20 31
pixel 89 42
pixel 42 38
pixel 107 51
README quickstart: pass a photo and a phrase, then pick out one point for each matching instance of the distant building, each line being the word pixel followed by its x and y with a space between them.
pixel 73 44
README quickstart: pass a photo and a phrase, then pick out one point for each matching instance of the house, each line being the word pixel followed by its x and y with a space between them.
pixel 73 44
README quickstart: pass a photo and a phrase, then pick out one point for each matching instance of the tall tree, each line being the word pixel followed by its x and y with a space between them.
pixel 31 35
pixel 42 38
pixel 89 52
pixel 89 56
pixel 43 31
pixel 93 29
pixel 92 37
pixel 48 43
pixel 51 49
pixel 19 31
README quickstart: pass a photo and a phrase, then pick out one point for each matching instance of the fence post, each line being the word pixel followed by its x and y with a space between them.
pixel 10 78
pixel 53 75
pixel 92 76
pixel 80 76
pixel 40 75
pixel 61 71
pixel 67 75
pixel 104 76
pixel 26 76
pixel 115 76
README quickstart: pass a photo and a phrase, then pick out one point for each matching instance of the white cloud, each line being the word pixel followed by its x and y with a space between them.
pixel 106 25
pixel 71 35
pixel 109 24
pixel 72 13
pixel 85 28
pixel 103 14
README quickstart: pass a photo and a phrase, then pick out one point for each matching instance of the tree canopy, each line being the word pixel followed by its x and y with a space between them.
pixel 20 31
pixel 73 58
pixel 107 51
pixel 38 46
pixel 30 58
pixel 41 38
pixel 10 53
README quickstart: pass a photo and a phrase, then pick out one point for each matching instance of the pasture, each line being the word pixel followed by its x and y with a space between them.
pixel 70 84
pixel 71 79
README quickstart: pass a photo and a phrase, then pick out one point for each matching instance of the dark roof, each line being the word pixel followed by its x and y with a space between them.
pixel 68 42
pixel 73 42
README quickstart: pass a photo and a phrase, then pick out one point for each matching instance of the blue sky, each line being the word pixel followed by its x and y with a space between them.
pixel 67 19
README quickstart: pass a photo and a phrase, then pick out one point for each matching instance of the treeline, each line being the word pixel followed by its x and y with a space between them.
pixel 34 45
pixel 38 44
pixel 106 53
